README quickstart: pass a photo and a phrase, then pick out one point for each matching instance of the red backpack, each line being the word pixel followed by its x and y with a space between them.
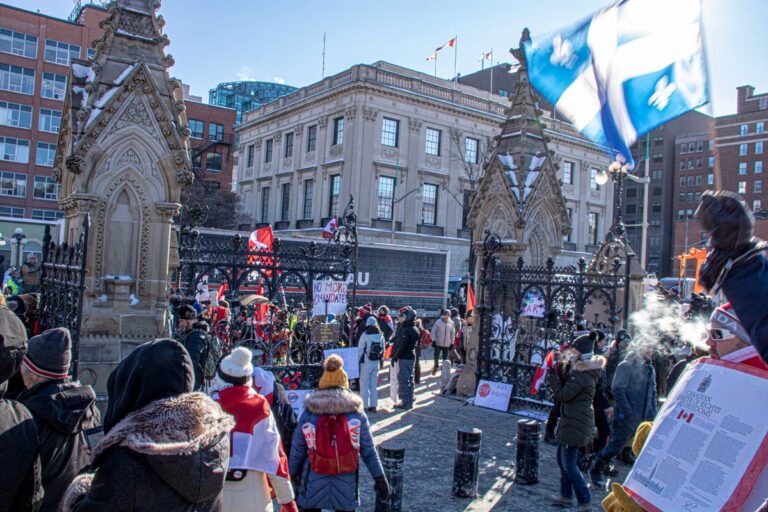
pixel 334 444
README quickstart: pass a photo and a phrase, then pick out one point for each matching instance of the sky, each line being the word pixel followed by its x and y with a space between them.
pixel 214 41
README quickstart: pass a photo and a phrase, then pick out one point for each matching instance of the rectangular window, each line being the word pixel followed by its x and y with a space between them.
pixel 334 193
pixel 14 150
pixel 658 141
pixel 309 192
pixel 390 129
pixel 683 149
pixel 690 197
pixel 691 163
pixel 759 148
pixel 385 197
pixel 195 158
pixel 690 181
pixel 432 146
pixel 54 86
pixel 59 52
pixel 17 79
pixel 698 163
pixel 338 131
pixel 763 103
pixel 288 153
pixel 249 158
pixel 711 162
pixel 265 204
pixel 45 154
pixel 698 179
pixel 268 150
pixel 681 198
pixel 213 161
pixel 682 165
pixel 656 208
pixel 311 138
pixel 742 187
pixel 429 204
pixel 471 148
pixel 215 131
pixel 742 168
pixel 567 238
pixel 48 215
pixel 11 211
pixel 689 213
pixel 700 146
pixel 691 147
pixel 18 43
pixel 710 179
pixel 631 192
pixel 13 114
pixel 567 172
pixel 680 214
pixel 757 186
pixel 196 127
pixel 593 179
pixel 744 130
pixel 285 202
pixel 49 120
pixel 757 205
pixel 593 228
pixel 90 53
pixel 466 205
pixel 45 188
pixel 13 184
pixel 682 182
pixel 759 127
pixel 759 167
pixel 742 149
pixel 697 196
pixel 657 157
pixel 630 208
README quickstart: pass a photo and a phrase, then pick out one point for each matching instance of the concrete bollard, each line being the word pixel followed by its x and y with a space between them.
pixel 528 436
pixel 392 457
pixel 467 462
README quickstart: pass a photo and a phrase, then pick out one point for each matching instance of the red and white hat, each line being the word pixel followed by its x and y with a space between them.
pixel 724 317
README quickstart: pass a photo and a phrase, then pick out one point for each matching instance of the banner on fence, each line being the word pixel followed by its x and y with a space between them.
pixel 329 297
pixel 351 361
pixel 203 293
pixel 296 399
pixel 493 395
pixel 706 451
pixel 533 304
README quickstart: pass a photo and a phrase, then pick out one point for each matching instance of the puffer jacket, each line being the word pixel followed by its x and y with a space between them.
pixel 443 333
pixel 62 412
pixel 575 395
pixel 169 455
pixel 20 489
pixel 334 492
pixel 746 287
pixel 634 389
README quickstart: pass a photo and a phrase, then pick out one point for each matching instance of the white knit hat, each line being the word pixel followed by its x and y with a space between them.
pixel 237 366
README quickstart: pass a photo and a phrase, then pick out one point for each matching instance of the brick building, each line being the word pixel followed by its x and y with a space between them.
pixel 212 151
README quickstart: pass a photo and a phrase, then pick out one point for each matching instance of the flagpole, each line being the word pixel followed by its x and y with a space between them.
pixel 455 59
pixel 491 70
pixel 435 64
pixel 394 194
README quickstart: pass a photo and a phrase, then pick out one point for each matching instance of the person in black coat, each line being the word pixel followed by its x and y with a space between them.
pixel 404 354
pixel 164 448
pixel 63 411
pixel 195 340
pixel 20 485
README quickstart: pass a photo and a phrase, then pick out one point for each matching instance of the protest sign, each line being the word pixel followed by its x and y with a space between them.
pixel 493 395
pixel 709 442
pixel 296 399
pixel 351 361
pixel 533 304
pixel 329 297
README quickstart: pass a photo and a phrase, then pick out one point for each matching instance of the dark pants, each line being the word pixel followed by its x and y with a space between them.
pixel 621 432
pixel 417 368
pixel 439 351
pixel 405 381
pixel 571 479
pixel 603 430
pixel 554 416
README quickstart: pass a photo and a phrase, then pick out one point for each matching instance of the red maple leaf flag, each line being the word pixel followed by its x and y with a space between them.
pixel 687 416
pixel 541 372
pixel 261 239
pixel 450 43
pixel 470 299
pixel 329 231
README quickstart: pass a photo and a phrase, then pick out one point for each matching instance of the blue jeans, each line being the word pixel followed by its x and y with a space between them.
pixel 571 479
pixel 405 381
pixel 369 376
pixel 622 431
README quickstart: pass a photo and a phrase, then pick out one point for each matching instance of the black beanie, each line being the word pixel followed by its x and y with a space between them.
pixel 49 354
pixel 585 344
pixel 186 312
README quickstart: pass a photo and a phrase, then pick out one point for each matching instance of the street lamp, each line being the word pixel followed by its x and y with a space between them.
pixel 417 190
pixel 21 239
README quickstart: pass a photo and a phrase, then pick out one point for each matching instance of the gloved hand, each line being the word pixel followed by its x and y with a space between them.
pixel 619 501
pixel 289 507
pixel 641 435
pixel 382 487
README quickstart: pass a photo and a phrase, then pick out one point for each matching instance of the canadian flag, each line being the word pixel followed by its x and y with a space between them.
pixel 261 239
pixel 329 231
pixel 432 57
pixel 687 416
pixel 451 43
pixel 541 372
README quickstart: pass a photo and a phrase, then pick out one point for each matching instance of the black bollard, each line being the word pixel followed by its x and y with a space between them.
pixel 392 458
pixel 467 462
pixel 528 436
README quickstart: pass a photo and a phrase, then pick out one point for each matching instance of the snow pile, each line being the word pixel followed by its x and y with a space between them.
pixel 507 161
pixel 76 89
pixel 83 72
pixel 124 74
pixel 99 104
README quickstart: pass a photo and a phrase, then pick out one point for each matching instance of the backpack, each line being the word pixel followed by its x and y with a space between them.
pixel 213 356
pixel 377 350
pixel 285 419
pixel 333 444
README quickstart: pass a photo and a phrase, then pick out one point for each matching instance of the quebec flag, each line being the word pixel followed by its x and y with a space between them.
pixel 628 69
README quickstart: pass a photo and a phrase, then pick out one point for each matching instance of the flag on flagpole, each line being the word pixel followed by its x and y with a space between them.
pixel 627 69
pixel 432 57
pixel 541 372
pixel 470 299
pixel 450 43
pixel 330 229
pixel 261 240
pixel 221 290
pixel 486 56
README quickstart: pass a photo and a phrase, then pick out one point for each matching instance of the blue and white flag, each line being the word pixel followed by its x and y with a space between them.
pixel 628 69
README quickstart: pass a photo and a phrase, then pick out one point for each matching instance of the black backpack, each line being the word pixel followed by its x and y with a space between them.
pixel 377 349
pixel 213 357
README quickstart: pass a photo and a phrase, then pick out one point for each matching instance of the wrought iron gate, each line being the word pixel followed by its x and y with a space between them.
pixel 527 311
pixel 62 283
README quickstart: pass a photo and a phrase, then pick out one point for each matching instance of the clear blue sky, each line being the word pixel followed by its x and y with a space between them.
pixel 216 41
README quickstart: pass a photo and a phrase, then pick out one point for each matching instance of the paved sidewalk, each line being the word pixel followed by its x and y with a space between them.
pixel 428 432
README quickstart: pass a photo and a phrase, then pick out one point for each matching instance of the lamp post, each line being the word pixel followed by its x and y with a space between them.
pixel 21 239
pixel 417 190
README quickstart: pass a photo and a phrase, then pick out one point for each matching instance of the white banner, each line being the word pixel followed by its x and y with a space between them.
pixel 351 361
pixel 332 293
pixel 533 304
pixel 493 395
pixel 296 399
pixel 709 443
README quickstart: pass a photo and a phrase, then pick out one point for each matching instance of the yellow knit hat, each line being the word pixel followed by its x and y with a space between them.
pixel 333 373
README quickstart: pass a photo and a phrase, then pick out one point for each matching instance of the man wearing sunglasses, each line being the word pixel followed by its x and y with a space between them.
pixel 728 340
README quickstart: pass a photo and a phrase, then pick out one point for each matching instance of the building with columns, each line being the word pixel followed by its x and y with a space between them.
pixel 409 147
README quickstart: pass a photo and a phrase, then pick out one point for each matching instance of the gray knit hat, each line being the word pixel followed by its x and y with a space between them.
pixel 49 354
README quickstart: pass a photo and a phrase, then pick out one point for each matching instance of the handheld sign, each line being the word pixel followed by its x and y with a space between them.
pixel 493 395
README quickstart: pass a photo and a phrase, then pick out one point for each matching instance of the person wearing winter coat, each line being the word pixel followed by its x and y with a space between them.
pixel 257 461
pixel 617 352
pixel 20 486
pixel 443 335
pixel 196 341
pixel 634 392
pixel 370 350
pixel 577 418
pixel 386 324
pixel 63 411
pixel 601 403
pixel 333 405
pixel 404 355
pixel 164 447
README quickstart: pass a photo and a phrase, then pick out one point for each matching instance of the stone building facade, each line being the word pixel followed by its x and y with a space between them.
pixel 407 146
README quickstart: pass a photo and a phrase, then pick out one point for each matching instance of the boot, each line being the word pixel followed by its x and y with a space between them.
pixel 597 473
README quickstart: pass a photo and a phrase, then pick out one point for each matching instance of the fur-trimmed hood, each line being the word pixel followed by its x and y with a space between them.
pixel 333 401
pixel 596 363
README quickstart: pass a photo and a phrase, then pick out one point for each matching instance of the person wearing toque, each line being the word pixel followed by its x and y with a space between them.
pixel 196 341
pixel 63 411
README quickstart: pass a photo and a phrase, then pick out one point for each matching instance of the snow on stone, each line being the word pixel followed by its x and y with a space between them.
pixel 527 192
pixel 94 115
pixel 83 72
pixel 105 97
pixel 507 161
pixel 124 74
pixel 512 177
pixel 137 36
pixel 516 192
pixel 536 162
pixel 81 90
pixel 530 178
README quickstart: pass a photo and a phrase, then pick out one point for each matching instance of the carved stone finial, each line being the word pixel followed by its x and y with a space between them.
pixel 75 164
pixel 185 177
